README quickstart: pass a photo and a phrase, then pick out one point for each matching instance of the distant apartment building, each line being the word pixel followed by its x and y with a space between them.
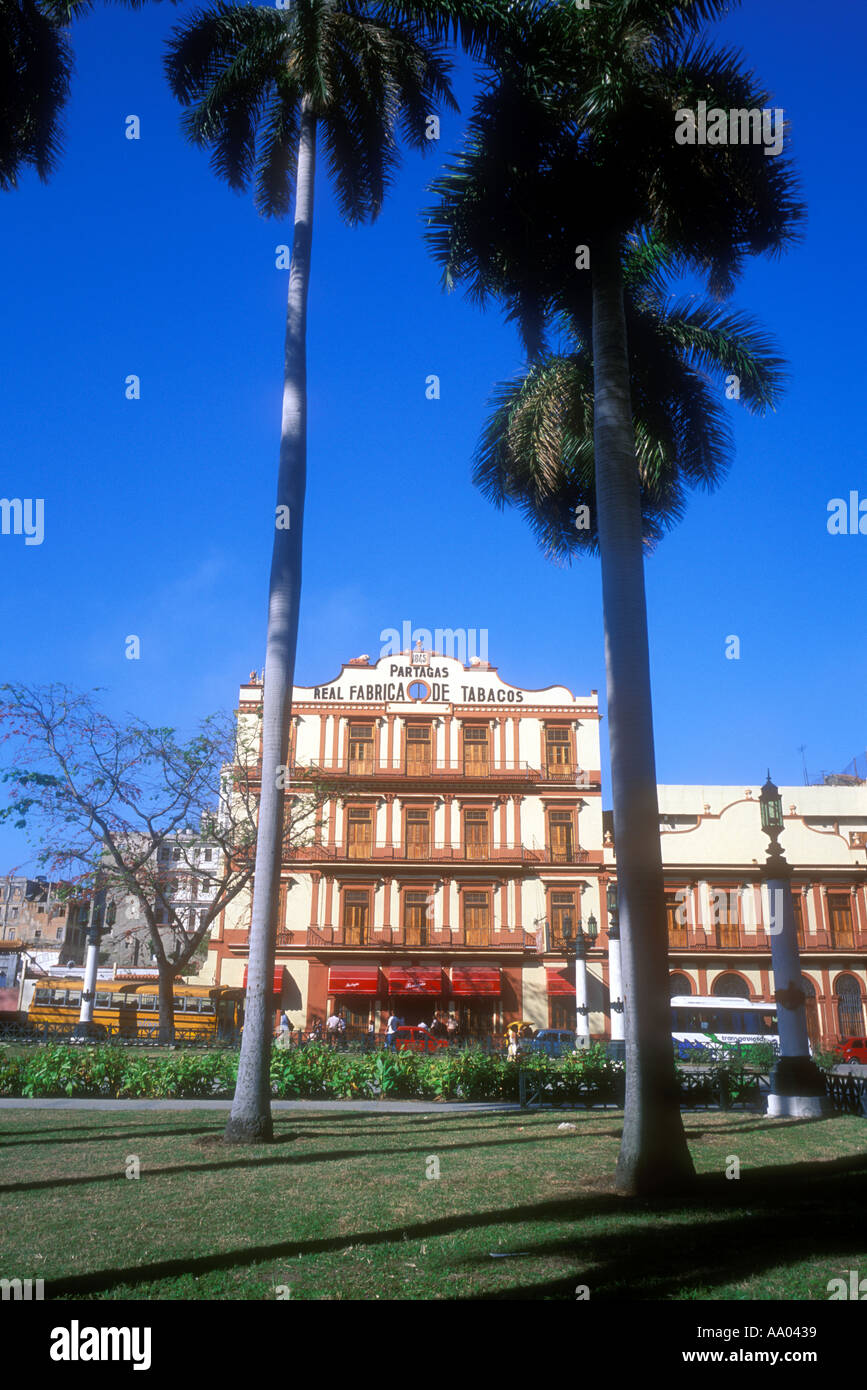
pixel 463 845
pixel 188 873
pixel 43 919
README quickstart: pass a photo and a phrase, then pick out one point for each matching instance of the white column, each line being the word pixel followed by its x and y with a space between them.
pixel 582 1017
pixel 615 988
pixel 91 963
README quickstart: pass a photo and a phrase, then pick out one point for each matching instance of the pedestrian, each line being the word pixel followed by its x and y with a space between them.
pixel 341 1030
pixel 315 1034
pixel 391 1028
pixel 332 1025
pixel 514 1045
pixel 452 1028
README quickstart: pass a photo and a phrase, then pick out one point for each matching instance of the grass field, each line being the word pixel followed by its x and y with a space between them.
pixel 340 1207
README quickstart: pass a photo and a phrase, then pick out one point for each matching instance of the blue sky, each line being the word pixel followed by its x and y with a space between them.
pixel 136 259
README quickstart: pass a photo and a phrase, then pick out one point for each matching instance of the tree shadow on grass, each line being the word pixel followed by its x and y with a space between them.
pixel 635 1262
pixel 783 1216
pixel 108 1136
pixel 334 1155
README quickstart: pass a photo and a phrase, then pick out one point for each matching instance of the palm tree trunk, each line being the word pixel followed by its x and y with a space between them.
pixel 653 1156
pixel 250 1118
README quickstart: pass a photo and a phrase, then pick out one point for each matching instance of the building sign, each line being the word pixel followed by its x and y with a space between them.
pixel 398 682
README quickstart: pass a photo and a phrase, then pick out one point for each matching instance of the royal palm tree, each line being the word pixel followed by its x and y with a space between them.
pixel 571 144
pixel 35 72
pixel 262 86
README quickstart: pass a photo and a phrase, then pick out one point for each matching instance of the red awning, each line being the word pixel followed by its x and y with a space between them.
pixel 353 979
pixel 475 980
pixel 425 979
pixel 559 982
pixel 277 986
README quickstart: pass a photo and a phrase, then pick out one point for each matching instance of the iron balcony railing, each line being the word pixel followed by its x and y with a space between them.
pixel 415 766
pixel 430 938
pixel 428 851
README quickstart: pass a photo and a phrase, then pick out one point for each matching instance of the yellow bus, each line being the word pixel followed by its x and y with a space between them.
pixel 129 1008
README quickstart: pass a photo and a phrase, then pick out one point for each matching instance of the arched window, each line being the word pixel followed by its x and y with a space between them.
pixel 850 1015
pixel 731 986
pixel 811 1009
pixel 679 984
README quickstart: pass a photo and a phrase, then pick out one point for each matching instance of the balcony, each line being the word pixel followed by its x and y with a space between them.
pixel 412 938
pixel 369 852
pixel 414 768
pixel 727 936
pixel 559 854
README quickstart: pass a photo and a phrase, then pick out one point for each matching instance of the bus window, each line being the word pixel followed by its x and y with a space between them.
pixel 147 1002
pixel 206 1006
pixel 103 1001
pixel 58 996
pixel 119 1001
pixel 180 1004
pixel 74 997
pixel 42 996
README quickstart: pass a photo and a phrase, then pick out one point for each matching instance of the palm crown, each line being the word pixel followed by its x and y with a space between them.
pixel 537 449
pixel 246 73
pixel 36 65
pixel 551 159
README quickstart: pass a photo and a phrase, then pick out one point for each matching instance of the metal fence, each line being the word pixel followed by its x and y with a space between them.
pixel 723 1089
pixel 848 1094
pixel 34 1034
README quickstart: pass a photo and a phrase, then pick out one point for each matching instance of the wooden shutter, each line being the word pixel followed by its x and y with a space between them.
pixel 417 834
pixel 418 745
pixel 840 915
pixel 558 749
pixel 361 748
pixel 415 915
pixel 476 919
pixel 562 906
pixel 476 751
pixel 561 831
pixel 359 834
pixel 476 836
pixel 356 911
pixel 675 916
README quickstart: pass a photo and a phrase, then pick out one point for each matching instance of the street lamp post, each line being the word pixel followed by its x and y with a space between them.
pixel 85 1026
pixel 797 1086
pixel 579 951
pixel 617 1045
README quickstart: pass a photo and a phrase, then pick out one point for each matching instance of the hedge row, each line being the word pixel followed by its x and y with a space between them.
pixel 313 1072
pixel 310 1072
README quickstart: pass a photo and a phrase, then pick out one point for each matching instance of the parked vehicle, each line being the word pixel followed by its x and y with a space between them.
pixel 852 1049
pixel 417 1040
pixel 712 1023
pixel 555 1042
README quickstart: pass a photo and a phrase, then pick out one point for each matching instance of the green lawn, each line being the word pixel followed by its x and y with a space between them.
pixel 339 1207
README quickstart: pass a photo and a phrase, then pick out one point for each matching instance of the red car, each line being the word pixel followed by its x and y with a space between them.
pixel 852 1049
pixel 417 1040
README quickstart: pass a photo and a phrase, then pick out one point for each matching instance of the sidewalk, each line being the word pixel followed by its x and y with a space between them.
pixel 380 1107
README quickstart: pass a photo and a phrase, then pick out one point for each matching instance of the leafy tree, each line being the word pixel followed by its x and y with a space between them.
pixel 123 810
pixel 570 161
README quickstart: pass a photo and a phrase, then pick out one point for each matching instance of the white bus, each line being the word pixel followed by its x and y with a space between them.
pixel 705 1021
